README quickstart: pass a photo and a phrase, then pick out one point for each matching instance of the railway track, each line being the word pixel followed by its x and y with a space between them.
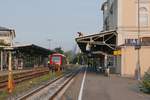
pixel 50 90
pixel 4 77
pixel 24 76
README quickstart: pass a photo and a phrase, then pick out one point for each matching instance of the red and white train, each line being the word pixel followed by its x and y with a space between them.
pixel 57 61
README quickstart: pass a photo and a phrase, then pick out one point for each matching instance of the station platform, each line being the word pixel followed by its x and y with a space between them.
pixel 91 85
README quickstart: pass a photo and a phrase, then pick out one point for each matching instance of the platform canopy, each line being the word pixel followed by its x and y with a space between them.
pixel 101 43
pixel 32 49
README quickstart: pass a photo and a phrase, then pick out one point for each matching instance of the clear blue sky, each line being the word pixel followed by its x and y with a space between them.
pixel 37 20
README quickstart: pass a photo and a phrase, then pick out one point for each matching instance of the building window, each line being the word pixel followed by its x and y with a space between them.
pixel 143 20
pixel 143 17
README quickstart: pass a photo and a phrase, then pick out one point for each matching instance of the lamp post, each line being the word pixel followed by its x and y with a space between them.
pixel 49 40
pixel 138 67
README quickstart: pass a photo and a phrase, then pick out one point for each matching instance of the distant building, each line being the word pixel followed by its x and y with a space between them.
pixel 6 40
pixel 6 36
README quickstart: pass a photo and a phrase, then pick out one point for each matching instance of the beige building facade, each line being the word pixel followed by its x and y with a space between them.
pixel 129 60
pixel 131 20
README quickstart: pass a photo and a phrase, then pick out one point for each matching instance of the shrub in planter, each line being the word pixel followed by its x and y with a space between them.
pixel 145 84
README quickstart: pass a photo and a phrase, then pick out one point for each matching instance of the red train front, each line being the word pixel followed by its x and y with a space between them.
pixel 57 61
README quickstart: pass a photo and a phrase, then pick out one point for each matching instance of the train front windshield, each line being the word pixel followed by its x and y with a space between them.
pixel 56 59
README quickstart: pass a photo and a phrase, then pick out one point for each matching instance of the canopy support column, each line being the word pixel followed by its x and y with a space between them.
pixel 1 60
pixel 105 60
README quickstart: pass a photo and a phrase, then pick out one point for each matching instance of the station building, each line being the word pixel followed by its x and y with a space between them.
pixel 124 42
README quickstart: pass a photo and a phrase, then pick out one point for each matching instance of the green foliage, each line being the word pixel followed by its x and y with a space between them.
pixel 69 56
pixel 145 85
pixel 59 50
pixel 80 58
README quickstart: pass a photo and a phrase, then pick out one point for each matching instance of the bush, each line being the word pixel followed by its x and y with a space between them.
pixel 145 84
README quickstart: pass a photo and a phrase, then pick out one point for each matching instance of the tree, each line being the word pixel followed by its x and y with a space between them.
pixel 80 58
pixel 69 55
pixel 145 84
pixel 59 50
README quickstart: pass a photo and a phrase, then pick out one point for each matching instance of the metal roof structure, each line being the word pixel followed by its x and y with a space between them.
pixel 32 49
pixel 102 43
